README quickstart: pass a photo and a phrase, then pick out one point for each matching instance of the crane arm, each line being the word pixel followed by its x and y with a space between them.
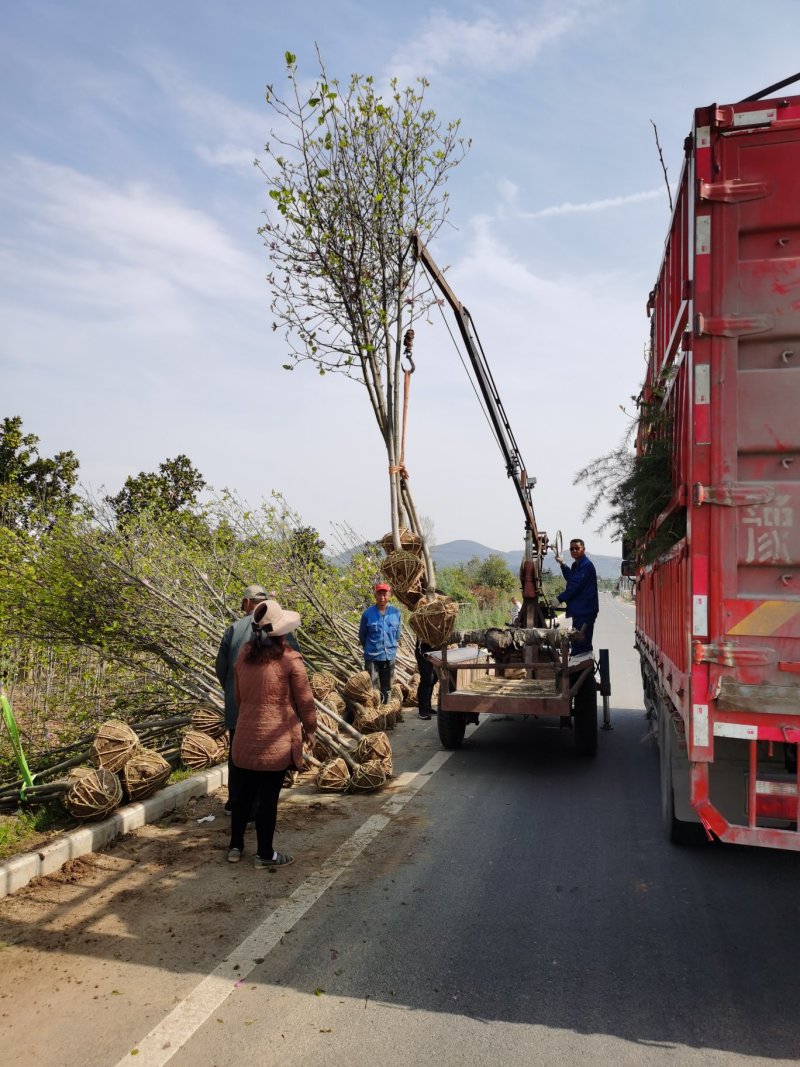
pixel 514 464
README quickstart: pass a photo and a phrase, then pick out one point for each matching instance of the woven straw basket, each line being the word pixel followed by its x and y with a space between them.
pixel 375 746
pixel 144 773
pixel 403 570
pixel 208 721
pixel 333 776
pixel 335 703
pixel 367 777
pixel 358 688
pixel 328 722
pixel 94 795
pixel 113 746
pixel 368 720
pixel 409 542
pixel 322 684
pixel 433 620
pixel 409 598
pixel 199 751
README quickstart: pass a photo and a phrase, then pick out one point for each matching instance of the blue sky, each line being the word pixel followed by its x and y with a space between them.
pixel 133 293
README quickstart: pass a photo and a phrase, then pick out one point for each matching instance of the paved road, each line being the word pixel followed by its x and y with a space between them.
pixel 523 907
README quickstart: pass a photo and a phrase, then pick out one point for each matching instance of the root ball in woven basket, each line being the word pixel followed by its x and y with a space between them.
pixel 403 570
pixel 409 598
pixel 76 773
pixel 199 751
pixel 321 748
pixel 433 620
pixel 368 720
pixel 208 721
pixel 335 703
pixel 409 542
pixel 358 687
pixel 328 722
pixel 144 773
pixel 411 689
pixel 94 795
pixel 333 776
pixel 322 683
pixel 375 746
pixel 367 777
pixel 113 746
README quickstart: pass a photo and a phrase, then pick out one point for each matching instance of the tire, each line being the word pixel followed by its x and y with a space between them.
pixel 584 717
pixel 451 726
pixel 675 830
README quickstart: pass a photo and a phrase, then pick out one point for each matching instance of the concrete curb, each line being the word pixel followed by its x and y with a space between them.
pixel 18 871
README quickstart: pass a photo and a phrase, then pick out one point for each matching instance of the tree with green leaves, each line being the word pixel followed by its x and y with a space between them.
pixel 636 485
pixel 33 488
pixel 493 572
pixel 351 175
pixel 173 489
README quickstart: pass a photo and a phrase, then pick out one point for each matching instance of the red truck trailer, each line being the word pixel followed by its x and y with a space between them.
pixel 717 577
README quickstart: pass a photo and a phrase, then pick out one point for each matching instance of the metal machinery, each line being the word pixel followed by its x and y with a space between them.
pixel 530 671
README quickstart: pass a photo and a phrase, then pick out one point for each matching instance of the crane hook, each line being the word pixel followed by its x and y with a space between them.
pixel 408 344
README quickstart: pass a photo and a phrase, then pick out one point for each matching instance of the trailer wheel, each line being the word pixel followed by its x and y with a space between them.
pixel 584 716
pixel 676 830
pixel 451 726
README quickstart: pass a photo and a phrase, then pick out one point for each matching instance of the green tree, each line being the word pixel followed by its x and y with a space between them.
pixel 33 488
pixel 452 581
pixel 350 175
pixel 494 573
pixel 173 489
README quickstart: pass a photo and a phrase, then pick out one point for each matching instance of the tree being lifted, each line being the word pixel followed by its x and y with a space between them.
pixel 350 176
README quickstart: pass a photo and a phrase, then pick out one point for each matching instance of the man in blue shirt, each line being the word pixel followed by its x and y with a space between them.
pixel 580 596
pixel 378 635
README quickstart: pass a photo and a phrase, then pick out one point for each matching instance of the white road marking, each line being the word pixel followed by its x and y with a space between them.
pixel 161 1044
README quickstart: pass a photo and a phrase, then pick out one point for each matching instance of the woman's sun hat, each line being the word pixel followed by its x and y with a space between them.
pixel 270 617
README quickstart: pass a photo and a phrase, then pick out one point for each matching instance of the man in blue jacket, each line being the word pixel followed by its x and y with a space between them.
pixel 580 596
pixel 378 635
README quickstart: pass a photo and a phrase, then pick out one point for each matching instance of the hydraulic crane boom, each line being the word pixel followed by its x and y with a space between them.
pixel 535 542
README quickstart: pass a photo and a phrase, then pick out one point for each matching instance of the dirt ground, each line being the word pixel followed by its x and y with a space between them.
pixel 110 943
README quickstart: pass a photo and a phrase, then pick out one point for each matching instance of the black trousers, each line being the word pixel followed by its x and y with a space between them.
pixel 259 790
pixel 427 678
pixel 381 672
pixel 583 644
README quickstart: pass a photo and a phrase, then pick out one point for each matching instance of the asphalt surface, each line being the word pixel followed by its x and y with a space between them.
pixel 523 907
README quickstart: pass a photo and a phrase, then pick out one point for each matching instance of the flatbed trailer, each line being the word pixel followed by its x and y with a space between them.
pixel 554 686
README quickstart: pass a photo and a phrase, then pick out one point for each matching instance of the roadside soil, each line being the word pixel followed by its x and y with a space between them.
pixel 94 956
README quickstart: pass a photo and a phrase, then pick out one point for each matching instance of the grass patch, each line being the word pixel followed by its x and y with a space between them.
pixel 180 775
pixel 24 830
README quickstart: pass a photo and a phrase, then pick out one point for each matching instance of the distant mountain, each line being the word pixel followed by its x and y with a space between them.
pixel 452 553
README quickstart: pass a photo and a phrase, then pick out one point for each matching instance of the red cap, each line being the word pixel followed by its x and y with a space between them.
pixel 382 587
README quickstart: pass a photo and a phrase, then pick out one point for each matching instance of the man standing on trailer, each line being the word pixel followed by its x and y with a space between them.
pixel 580 597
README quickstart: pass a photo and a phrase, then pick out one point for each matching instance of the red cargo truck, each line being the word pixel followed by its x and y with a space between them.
pixel 718 574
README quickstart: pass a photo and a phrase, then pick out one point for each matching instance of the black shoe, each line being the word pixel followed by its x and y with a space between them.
pixel 424 715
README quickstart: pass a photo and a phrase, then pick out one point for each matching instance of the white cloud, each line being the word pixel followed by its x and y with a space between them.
pixel 509 193
pixel 482 44
pixel 226 134
pixel 101 236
